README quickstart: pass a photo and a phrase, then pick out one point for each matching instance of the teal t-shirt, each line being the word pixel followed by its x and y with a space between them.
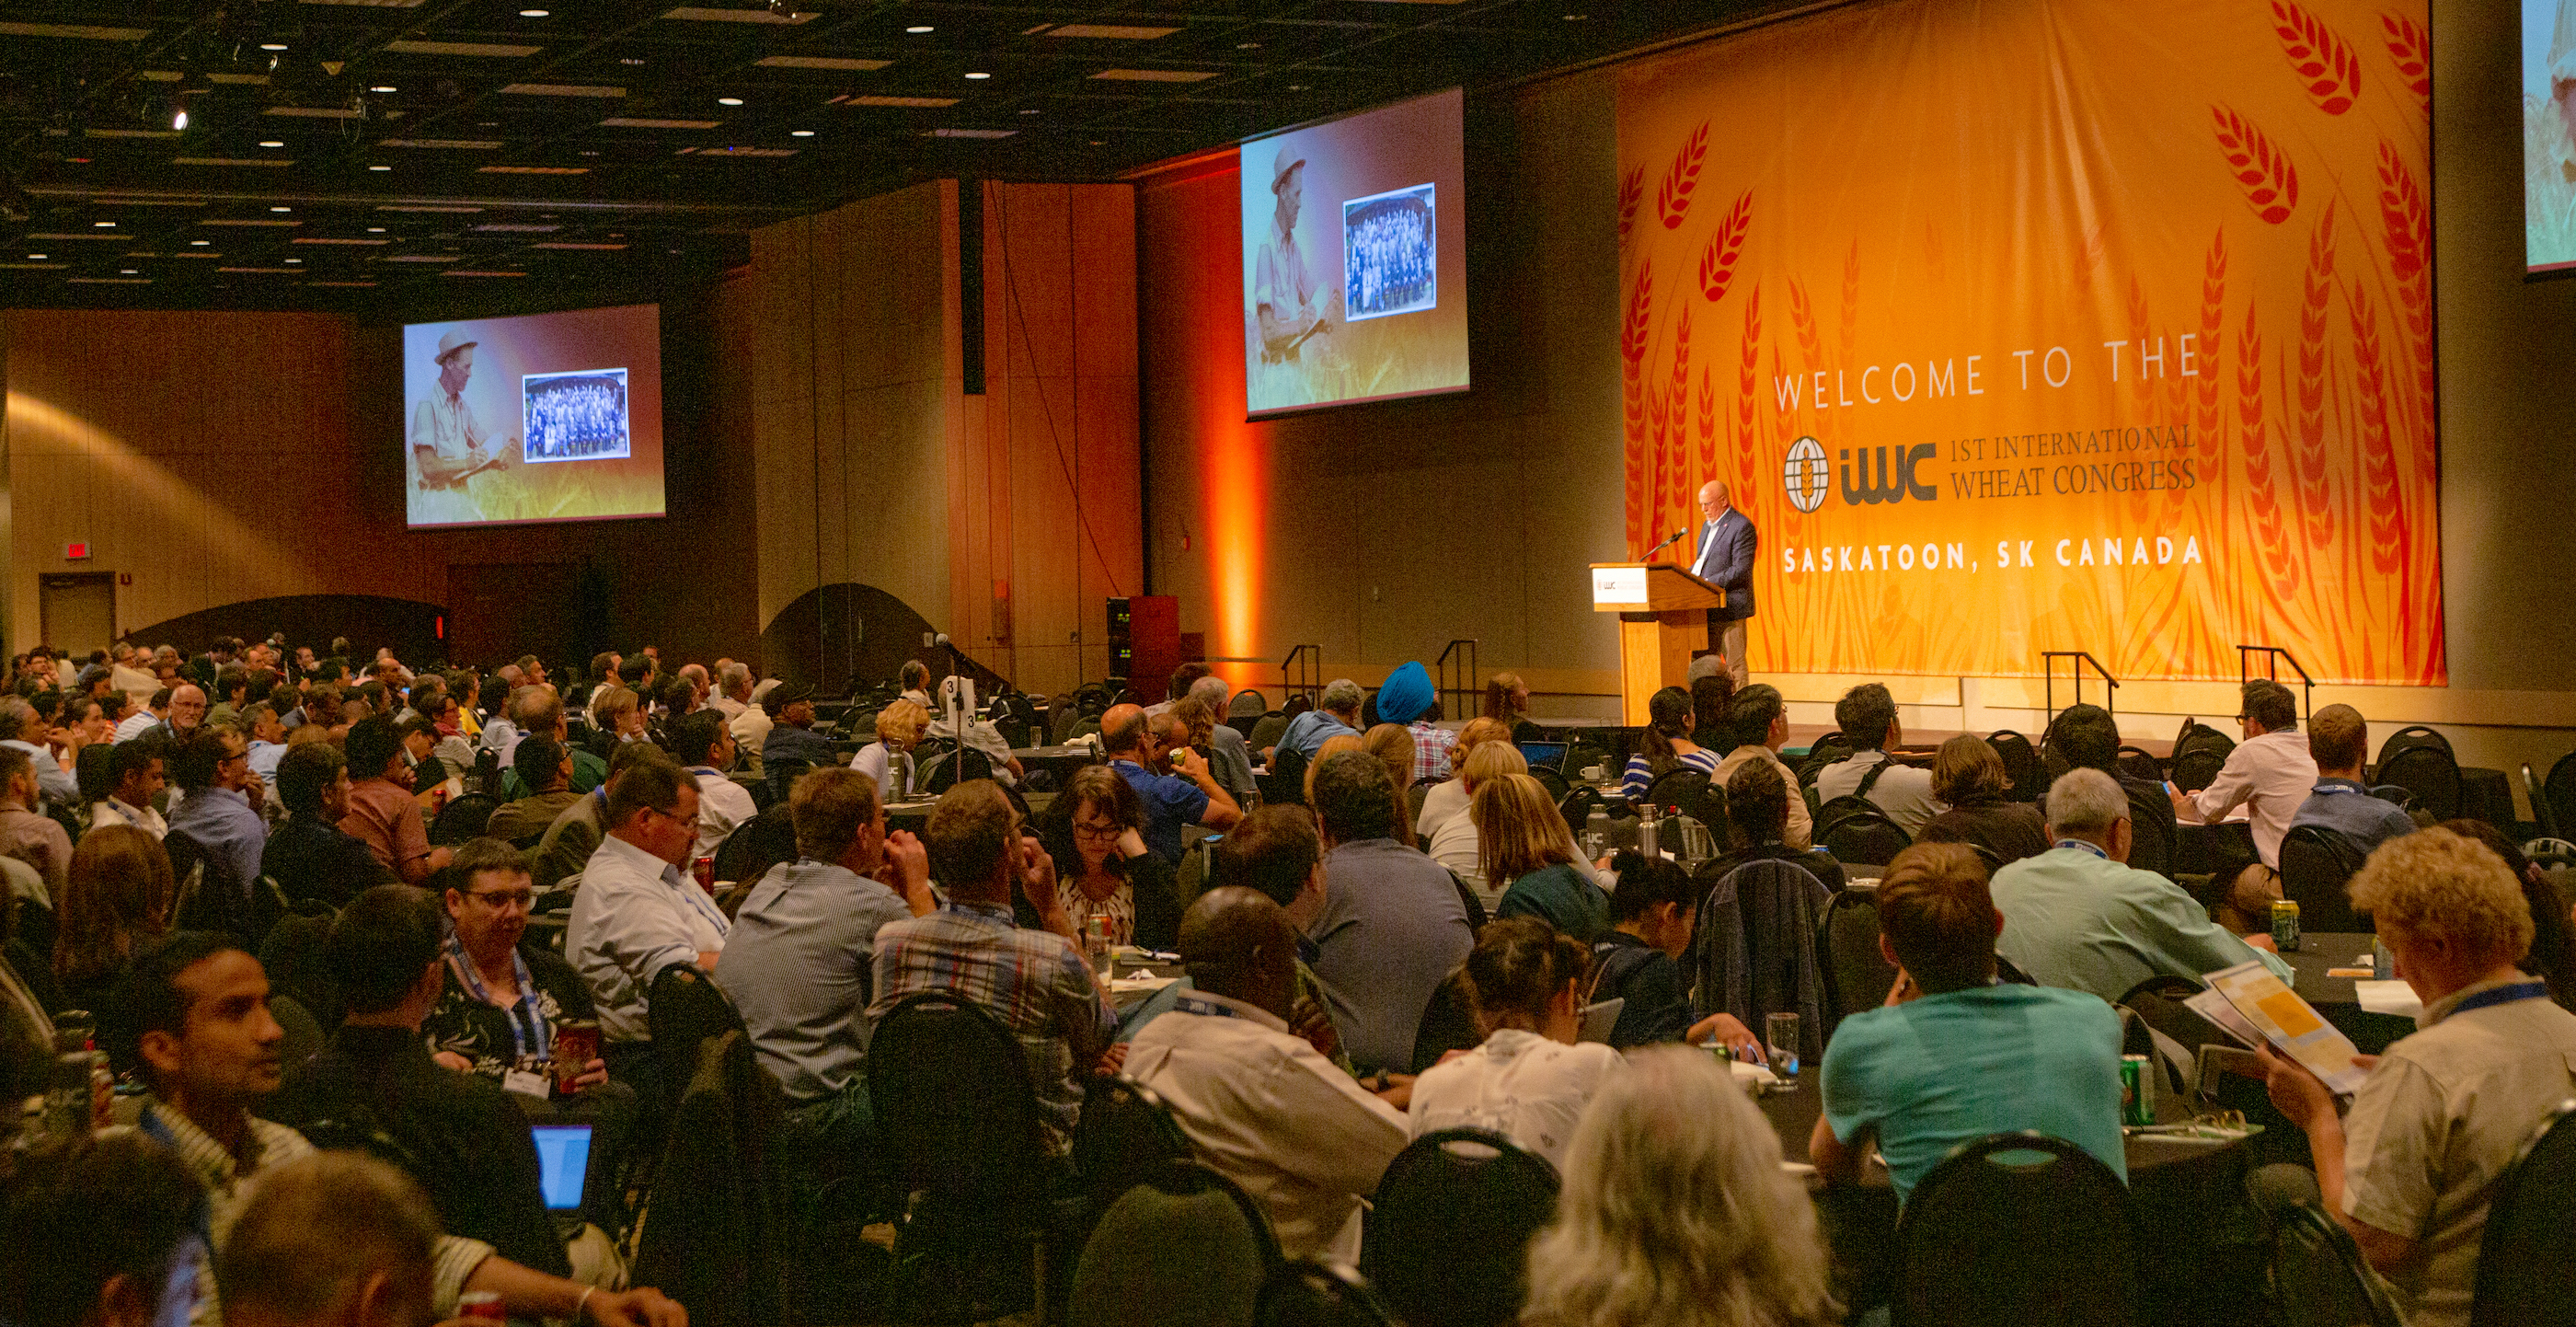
pixel 1950 1068
pixel 1562 897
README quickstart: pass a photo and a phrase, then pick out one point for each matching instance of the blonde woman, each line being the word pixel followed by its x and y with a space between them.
pixel 615 711
pixel 1392 744
pixel 1455 845
pixel 1449 798
pixel 1674 1212
pixel 1524 847
pixel 899 727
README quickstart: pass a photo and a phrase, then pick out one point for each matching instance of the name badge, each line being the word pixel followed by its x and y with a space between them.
pixel 527 1083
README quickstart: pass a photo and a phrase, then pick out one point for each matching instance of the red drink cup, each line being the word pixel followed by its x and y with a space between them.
pixel 576 1045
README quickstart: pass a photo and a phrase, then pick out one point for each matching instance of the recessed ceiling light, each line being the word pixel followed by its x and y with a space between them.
pixel 380 168
pixel 918 27
pixel 588 153
pixel 728 101
pixel 384 87
pixel 102 223
pixel 800 133
pixel 630 60
pixel 272 46
pixel 281 208
pixel 128 271
pixel 375 230
pixel 295 260
pixel 535 13
pixel 1247 46
pixel 271 142
pixel 979 75
pixel 1031 111
pixel 201 243
pixel 38 257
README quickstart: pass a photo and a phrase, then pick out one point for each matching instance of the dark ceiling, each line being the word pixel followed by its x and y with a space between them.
pixel 374 155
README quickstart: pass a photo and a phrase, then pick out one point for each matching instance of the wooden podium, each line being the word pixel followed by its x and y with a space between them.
pixel 1663 619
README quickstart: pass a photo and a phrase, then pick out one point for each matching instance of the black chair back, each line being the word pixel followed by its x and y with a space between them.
pixel 1313 1293
pixel 1448 1022
pixel 2527 1257
pixel 1297 704
pixel 1678 790
pixel 2021 764
pixel 1857 975
pixel 1550 779
pixel 2412 737
pixel 2315 866
pixel 2541 814
pixel 463 818
pixel 1180 1247
pixel 2151 831
pixel 1287 782
pixel 1997 1237
pixel 2430 773
pixel 1856 832
pixel 1124 1133
pixel 964 765
pixel 2561 790
pixel 2317 1277
pixel 2197 769
pixel 782 774
pixel 2138 764
pixel 955 1113
pixel 684 1008
pixel 1444 1183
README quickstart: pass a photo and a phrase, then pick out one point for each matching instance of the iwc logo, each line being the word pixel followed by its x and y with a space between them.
pixel 1805 474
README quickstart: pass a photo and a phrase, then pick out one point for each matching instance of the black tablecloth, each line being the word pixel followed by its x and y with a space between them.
pixel 2186 1200
pixel 2335 997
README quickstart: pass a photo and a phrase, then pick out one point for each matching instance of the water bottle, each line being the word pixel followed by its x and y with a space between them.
pixel 68 1091
pixel 1648 832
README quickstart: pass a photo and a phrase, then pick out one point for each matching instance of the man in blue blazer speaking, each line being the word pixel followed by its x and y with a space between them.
pixel 1726 547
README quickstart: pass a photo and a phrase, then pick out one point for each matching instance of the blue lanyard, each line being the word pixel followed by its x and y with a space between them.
pixel 2079 844
pixel 527 1020
pixel 202 1213
pixel 2488 999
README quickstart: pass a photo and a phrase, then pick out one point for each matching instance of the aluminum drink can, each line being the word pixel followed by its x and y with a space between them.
pixel 2285 925
pixel 2137 1091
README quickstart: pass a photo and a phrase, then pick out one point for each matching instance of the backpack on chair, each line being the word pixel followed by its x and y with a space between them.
pixel 1854 821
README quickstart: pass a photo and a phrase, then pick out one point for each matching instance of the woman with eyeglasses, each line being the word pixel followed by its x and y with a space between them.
pixel 504 1000
pixel 1095 831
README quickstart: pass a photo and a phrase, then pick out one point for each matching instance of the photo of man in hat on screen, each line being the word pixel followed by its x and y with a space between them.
pixel 449 447
pixel 1291 308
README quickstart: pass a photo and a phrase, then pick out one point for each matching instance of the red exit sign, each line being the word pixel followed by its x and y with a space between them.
pixel 76 551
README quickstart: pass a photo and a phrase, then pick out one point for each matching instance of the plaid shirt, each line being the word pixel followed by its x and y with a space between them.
pixel 1431 745
pixel 1036 982
pixel 229 1183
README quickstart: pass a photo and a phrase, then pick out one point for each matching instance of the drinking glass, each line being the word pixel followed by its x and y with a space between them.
pixel 1780 1040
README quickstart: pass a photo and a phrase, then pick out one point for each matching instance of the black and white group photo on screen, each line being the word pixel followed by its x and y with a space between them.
pixel 576 416
pixel 1389 258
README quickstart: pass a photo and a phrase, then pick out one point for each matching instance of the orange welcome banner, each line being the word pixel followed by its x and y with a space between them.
pixel 2040 325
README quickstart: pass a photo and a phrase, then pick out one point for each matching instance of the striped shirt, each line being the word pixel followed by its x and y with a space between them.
pixel 229 1183
pixel 1035 982
pixel 1641 774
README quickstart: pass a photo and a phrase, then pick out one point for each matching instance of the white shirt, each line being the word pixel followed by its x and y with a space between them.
pixel 633 916
pixel 1707 544
pixel 751 728
pixel 723 807
pixel 1438 805
pixel 2271 777
pixel 1903 792
pixel 1518 1084
pixel 727 706
pixel 135 725
pixel 1303 1138
pixel 875 760
pixel 1456 847
pixel 109 811
pixel 503 736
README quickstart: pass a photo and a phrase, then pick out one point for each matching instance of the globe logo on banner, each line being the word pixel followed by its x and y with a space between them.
pixel 1804 473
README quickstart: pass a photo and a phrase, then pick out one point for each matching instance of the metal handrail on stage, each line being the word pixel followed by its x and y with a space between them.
pixel 1465 684
pixel 2275 656
pixel 1303 670
pixel 2076 659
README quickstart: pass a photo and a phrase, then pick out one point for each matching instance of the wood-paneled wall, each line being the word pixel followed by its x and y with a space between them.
pixel 219 457
pixel 1005 518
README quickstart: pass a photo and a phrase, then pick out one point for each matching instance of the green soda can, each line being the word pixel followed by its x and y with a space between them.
pixel 2285 925
pixel 2137 1091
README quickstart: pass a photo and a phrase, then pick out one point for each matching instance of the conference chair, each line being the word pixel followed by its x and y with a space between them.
pixel 2560 787
pixel 2315 866
pixel 2199 752
pixel 1857 975
pixel 720 1229
pixel 463 818
pixel 1854 830
pixel 2425 768
pixel 1286 781
pixel 1312 1293
pixel 782 774
pixel 1124 1132
pixel 2409 738
pixel 2012 1229
pixel 2527 1257
pixel 1754 950
pixel 2021 764
pixel 1551 779
pixel 1182 1246
pixel 958 1127
pixel 2317 1277
pixel 1448 1021
pixel 1446 1239
pixel 946 771
pixel 1676 790
pixel 684 1008
pixel 1245 711
pixel 2136 763
pixel 2542 819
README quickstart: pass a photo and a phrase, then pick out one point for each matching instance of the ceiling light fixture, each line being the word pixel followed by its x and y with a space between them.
pixel 380 168
pixel 800 133
pixel 384 87
pixel 1247 46
pixel 295 260
pixel 728 101
pixel 536 13
pixel 919 27
pixel 179 118
pixel 979 75
pixel 375 230
pixel 102 224
pixel 271 142
pixel 38 257
pixel 201 243
pixel 281 208
pixel 272 46
pixel 128 271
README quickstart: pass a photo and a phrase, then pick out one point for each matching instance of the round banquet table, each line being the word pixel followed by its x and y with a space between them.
pixel 2185 1200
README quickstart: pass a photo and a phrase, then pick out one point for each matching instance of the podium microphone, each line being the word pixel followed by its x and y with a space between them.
pixel 1666 544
